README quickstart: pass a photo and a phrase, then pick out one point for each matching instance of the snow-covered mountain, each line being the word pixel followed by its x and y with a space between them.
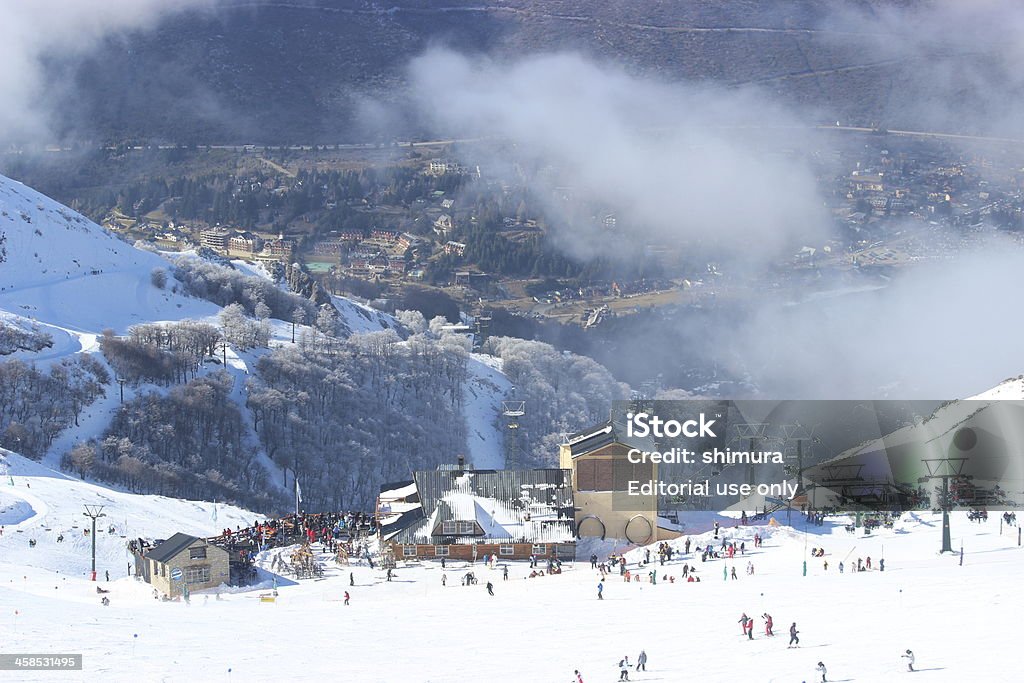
pixel 423 626
pixel 64 280
pixel 40 503
pixel 72 279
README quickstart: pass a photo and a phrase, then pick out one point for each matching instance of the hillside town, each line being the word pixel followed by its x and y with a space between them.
pixel 895 201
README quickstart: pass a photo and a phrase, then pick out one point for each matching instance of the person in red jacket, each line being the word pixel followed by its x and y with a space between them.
pixel 768 623
pixel 346 597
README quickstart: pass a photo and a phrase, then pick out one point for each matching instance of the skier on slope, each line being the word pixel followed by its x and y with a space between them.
pixel 768 623
pixel 821 668
pixel 794 639
pixel 490 589
pixel 346 598
pixel 910 660
pixel 600 590
pixel 743 623
pixel 579 676
pixel 641 661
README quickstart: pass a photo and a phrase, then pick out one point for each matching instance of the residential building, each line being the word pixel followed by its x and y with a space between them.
pixel 443 225
pixel 457 248
pixel 245 243
pixel 215 238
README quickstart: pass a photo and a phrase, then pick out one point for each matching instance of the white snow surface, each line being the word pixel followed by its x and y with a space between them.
pixel 360 318
pixel 71 275
pixel 1011 390
pixel 484 391
pixel 415 630
pixel 39 503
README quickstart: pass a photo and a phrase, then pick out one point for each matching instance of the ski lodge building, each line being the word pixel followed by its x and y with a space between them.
pixel 201 565
pixel 453 512
pixel 601 472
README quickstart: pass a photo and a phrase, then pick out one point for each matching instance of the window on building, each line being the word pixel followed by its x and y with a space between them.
pixel 458 528
pixel 506 550
pixel 441 550
pixel 409 551
pixel 539 549
pixel 626 472
pixel 197 553
pixel 197 573
pixel 594 475
pixel 585 475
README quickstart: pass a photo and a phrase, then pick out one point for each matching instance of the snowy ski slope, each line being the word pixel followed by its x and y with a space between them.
pixel 957 619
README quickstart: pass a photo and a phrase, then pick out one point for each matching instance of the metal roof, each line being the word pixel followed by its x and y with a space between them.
pixel 171 547
pixel 612 431
pixel 509 505
pixel 398 523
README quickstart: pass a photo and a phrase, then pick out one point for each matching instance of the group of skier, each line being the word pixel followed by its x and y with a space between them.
pixel 623 665
pixel 823 670
pixel 747 628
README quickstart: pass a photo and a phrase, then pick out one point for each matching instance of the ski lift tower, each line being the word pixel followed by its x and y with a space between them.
pixel 948 468
pixel 794 436
pixel 944 469
pixel 511 411
pixel 482 323
pixel 749 434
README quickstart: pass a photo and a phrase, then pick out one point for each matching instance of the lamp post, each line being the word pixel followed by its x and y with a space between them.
pixel 121 381
pixel 94 512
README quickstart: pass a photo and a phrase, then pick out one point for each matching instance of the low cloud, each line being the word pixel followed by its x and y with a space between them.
pixel 36 31
pixel 677 163
pixel 697 164
pixel 941 330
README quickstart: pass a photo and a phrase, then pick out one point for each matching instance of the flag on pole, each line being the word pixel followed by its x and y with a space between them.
pixel 298 495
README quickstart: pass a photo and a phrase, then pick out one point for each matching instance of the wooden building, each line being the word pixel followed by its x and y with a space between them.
pixel 465 514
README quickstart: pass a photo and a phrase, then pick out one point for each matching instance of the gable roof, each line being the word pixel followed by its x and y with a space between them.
pixel 171 547
pixel 612 431
pixel 509 505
